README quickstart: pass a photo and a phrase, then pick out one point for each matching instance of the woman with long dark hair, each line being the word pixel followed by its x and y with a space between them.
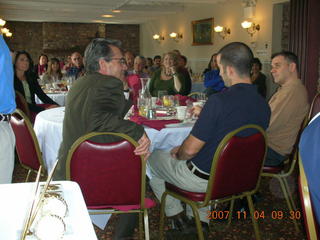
pixel 25 82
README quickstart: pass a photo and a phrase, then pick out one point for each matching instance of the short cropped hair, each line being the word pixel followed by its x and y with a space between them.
pixel 157 57
pixel 98 48
pixel 289 56
pixel 237 55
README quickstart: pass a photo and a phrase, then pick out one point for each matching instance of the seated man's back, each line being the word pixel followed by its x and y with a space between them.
pixel 224 112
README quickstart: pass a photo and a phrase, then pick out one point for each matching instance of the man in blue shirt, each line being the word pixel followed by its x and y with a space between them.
pixel 310 155
pixel 7 106
pixel 188 166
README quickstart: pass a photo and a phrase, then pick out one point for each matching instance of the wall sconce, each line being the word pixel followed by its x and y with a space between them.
pixel 251 27
pixel 223 31
pixel 175 36
pixel 158 37
pixel 2 22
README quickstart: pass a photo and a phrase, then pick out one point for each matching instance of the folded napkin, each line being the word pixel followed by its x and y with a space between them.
pixel 156 124
pixel 183 99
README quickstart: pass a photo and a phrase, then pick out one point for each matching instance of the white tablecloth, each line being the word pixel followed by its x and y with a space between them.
pixel 59 98
pixel 48 128
pixel 15 202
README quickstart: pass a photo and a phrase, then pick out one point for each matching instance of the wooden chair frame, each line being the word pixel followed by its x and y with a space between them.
pixel 143 209
pixel 196 205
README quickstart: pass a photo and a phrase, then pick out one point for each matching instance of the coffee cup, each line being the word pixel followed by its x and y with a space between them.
pixel 181 112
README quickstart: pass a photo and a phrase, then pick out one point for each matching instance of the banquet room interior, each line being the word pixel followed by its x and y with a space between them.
pixel 59 28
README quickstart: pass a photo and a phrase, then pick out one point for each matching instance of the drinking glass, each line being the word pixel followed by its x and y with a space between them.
pixel 142 106
pixel 167 100
pixel 162 93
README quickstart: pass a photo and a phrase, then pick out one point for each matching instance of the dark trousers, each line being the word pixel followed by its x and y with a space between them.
pixel 273 158
pixel 125 226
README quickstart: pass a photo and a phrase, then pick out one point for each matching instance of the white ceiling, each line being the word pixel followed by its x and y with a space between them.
pixel 86 11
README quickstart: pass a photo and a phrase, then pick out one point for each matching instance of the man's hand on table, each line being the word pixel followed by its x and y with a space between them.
pixel 196 110
pixel 143 148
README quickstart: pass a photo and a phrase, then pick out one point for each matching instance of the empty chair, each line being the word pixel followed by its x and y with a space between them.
pixel 27 145
pixel 235 173
pixel 110 175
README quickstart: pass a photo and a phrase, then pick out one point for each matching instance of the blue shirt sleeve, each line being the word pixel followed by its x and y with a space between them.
pixel 7 99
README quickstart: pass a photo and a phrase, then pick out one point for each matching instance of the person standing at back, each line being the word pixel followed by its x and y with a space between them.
pixel 7 107
pixel 289 106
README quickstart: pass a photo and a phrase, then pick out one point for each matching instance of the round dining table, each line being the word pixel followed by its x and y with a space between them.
pixel 49 123
pixel 58 97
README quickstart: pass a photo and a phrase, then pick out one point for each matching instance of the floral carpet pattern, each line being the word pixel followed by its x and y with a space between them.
pixel 274 219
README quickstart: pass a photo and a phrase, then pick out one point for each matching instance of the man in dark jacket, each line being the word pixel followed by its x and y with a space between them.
pixel 96 103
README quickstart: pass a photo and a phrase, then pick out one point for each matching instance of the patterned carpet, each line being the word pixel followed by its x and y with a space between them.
pixel 272 226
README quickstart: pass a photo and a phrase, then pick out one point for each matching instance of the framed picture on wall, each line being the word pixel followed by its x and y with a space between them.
pixel 202 31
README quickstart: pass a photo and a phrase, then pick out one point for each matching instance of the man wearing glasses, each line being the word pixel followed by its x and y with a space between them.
pixel 96 103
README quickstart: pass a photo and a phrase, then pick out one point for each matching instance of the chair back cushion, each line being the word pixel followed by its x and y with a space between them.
pixel 26 143
pixel 238 165
pixel 108 173
pixel 23 105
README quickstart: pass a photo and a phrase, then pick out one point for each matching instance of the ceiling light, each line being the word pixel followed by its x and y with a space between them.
pixel 116 11
pixel 107 16
pixel 2 22
pixel 4 30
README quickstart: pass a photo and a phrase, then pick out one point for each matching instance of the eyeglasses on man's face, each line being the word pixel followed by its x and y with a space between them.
pixel 121 60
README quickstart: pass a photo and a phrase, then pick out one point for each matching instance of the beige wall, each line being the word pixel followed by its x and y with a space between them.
pixel 228 14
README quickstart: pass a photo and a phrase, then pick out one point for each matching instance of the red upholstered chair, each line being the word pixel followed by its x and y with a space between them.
pixel 110 175
pixel 235 173
pixel 27 145
pixel 310 222
pixel 315 106
pixel 23 105
pixel 282 172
